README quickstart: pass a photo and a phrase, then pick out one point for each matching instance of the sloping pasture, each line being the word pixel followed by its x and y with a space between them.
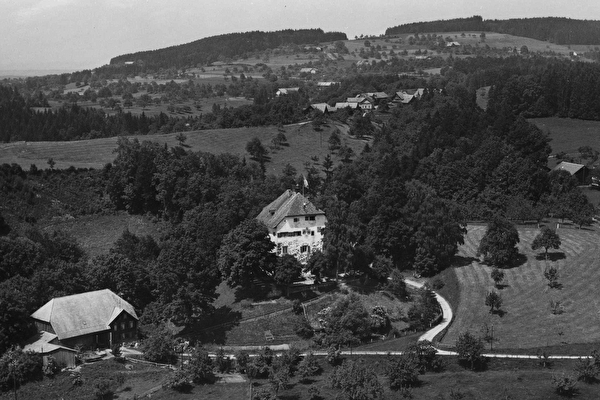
pixel 527 321
pixel 304 143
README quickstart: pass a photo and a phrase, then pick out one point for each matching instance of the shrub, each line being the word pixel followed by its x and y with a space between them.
pixel 51 368
pixel 241 361
pixel 556 307
pixel 314 393
pixel 309 366
pixel 334 355
pixel 302 328
pixel 201 366
pixel 178 381
pixel 587 370
pixel 437 284
pixel 297 307
pixel 402 371
pixel 564 385
pixel 246 304
pixel 222 362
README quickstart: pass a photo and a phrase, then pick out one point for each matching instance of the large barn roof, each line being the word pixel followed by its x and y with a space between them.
pixel 289 204
pixel 571 168
pixel 83 313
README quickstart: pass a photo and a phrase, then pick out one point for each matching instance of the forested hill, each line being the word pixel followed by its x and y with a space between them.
pixel 552 29
pixel 223 47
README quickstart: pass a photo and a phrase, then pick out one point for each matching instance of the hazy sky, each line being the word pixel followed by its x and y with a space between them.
pixel 78 34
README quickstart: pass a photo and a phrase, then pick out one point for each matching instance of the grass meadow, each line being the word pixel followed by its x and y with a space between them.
pixel 527 321
pixel 304 143
pixel 568 135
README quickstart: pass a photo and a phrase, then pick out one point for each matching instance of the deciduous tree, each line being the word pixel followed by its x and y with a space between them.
pixel 547 238
pixel 499 244
pixel 246 253
pixel 469 349
pixel 356 382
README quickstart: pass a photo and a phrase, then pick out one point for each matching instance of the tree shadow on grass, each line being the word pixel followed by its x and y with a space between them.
pixel 500 313
pixel 214 328
pixel 460 261
pixel 551 256
pixel 256 291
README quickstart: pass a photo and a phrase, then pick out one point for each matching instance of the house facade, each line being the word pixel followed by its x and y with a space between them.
pixel 295 225
pixel 97 319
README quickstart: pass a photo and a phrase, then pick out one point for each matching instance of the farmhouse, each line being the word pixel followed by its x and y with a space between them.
pixel 579 171
pixel 365 103
pixel 285 91
pixel 95 319
pixel 308 71
pixel 295 225
pixel 323 107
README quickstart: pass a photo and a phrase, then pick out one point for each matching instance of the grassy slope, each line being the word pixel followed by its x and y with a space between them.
pixel 97 234
pixel 569 134
pixel 303 141
pixel 528 322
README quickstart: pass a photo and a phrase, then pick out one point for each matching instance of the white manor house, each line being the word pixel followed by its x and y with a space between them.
pixel 295 225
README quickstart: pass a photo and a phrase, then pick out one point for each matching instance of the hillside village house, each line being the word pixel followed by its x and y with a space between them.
pixel 97 319
pixel 295 225
pixel 285 91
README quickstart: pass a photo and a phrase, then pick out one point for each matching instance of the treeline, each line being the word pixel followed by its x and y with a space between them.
pixel 224 47
pixel 537 86
pixel 551 29
pixel 18 121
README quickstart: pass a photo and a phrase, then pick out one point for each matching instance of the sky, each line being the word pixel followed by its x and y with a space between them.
pixel 70 35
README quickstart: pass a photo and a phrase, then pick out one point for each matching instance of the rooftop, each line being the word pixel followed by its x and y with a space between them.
pixel 289 204
pixel 83 313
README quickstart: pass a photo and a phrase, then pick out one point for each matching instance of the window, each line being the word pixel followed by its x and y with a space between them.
pixel 289 234
pixel 131 324
pixel 296 219
pixel 284 249
pixel 312 233
pixel 122 325
pixel 115 327
pixel 304 249
pixel 309 218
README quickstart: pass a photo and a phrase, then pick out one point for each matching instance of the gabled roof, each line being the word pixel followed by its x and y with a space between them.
pixel 403 97
pixel 345 104
pixel 323 107
pixel 289 204
pixel 571 168
pixel 41 343
pixel 83 313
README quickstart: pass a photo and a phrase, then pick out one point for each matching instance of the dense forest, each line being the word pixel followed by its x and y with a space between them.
pixel 225 47
pixel 556 30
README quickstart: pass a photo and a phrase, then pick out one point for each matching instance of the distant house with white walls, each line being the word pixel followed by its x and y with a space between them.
pixel 295 225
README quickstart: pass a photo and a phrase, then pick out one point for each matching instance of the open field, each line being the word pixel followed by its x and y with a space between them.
pixel 527 321
pixel 304 142
pixel 97 234
pixel 569 134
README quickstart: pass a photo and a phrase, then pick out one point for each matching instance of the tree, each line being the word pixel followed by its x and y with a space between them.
pixel 497 276
pixel 547 238
pixel 334 141
pixel 51 163
pixel 397 285
pixel 287 270
pixel 356 382
pixel 499 244
pixel 469 349
pixel 256 150
pixel 551 274
pixel 201 366
pixel 565 385
pixel 347 322
pixel 493 300
pixel 246 253
pixel 159 346
pixel 402 371
pixel 309 366
pixel 181 138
